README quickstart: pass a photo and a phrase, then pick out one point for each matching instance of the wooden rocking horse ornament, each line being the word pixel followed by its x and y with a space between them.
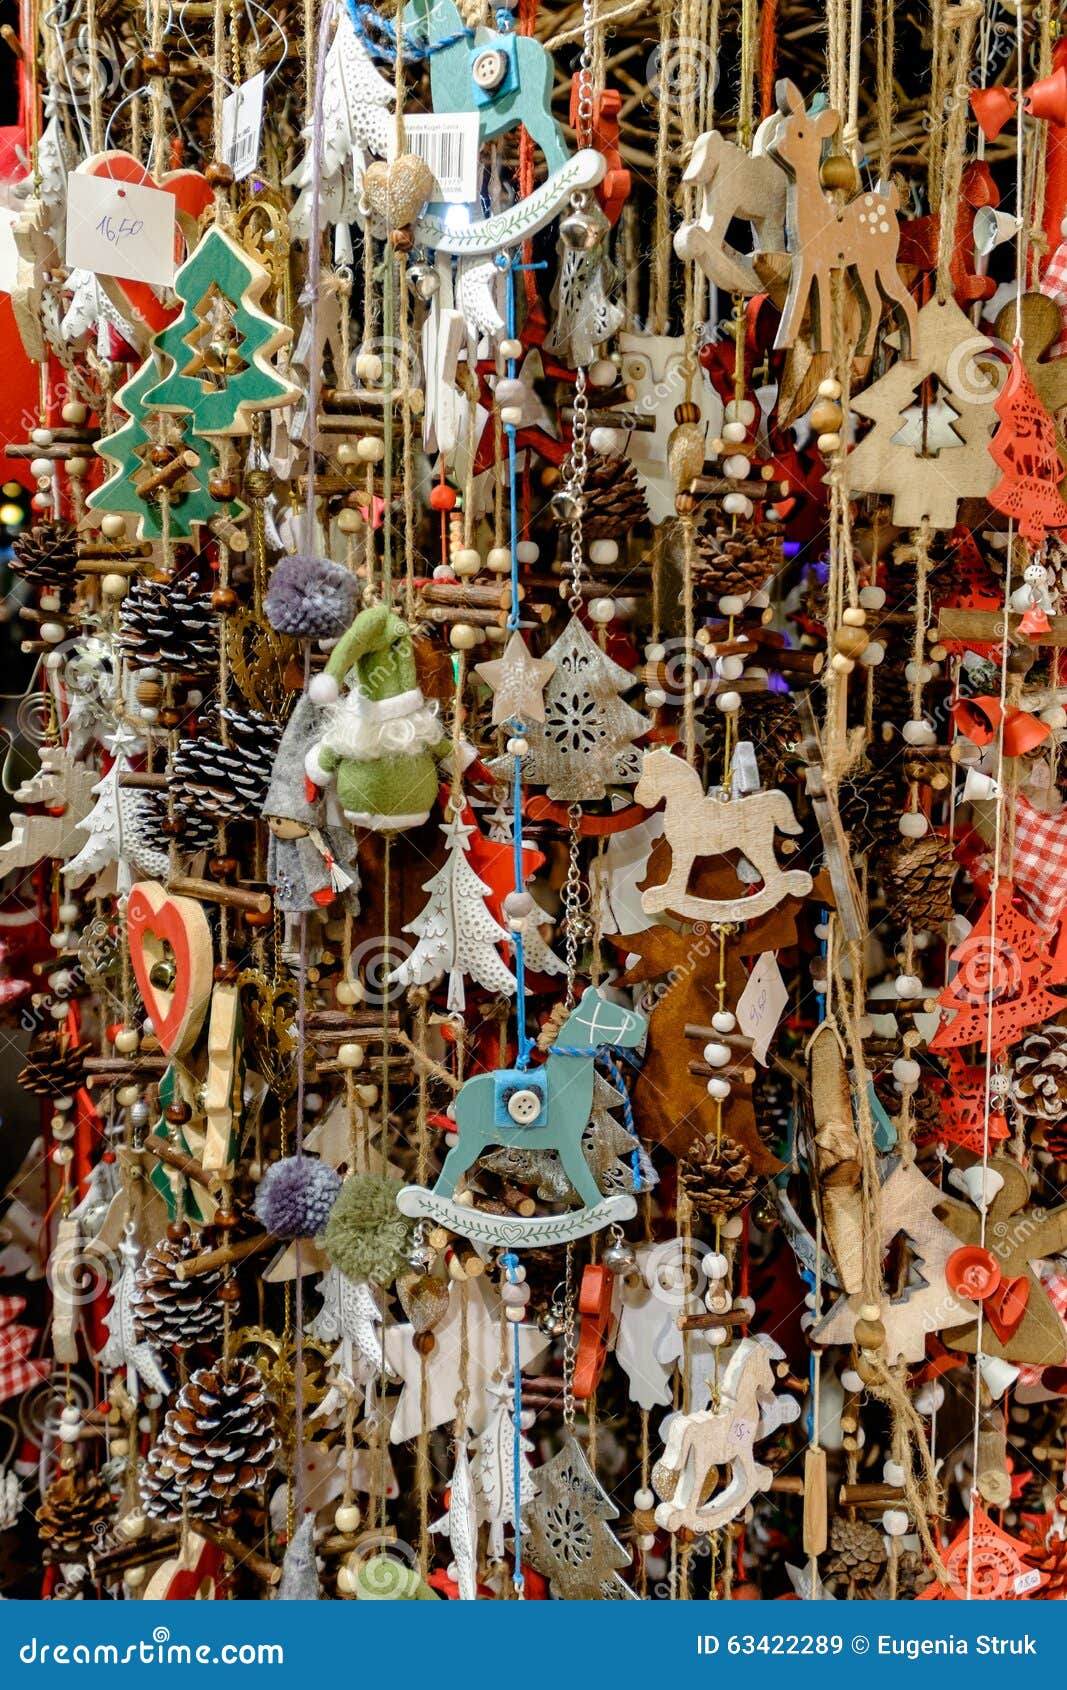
pixel 712 1438
pixel 698 824
pixel 546 1108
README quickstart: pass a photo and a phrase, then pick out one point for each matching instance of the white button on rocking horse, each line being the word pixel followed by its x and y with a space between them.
pixel 699 824
pixel 562 1113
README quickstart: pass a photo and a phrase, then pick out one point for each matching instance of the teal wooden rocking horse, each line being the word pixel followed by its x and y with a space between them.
pixel 545 1108
pixel 504 77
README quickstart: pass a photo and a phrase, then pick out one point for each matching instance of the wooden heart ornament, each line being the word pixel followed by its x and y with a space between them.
pixel 177 997
pixel 397 192
pixel 191 194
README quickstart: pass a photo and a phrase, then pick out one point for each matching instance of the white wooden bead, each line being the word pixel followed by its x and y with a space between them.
pixel 731 604
pixel 718 1088
pixel 351 1055
pixel 740 410
pixel 463 637
pixel 736 467
pixel 604 551
pixel 737 504
pixel 603 373
pixel 717 1055
pixel 730 668
pixel 114 586
pixel 602 611
pixel 733 433
pixel 527 551
pixel 913 825
pixel 498 559
pixel 728 702
pixel 510 349
pixel 872 598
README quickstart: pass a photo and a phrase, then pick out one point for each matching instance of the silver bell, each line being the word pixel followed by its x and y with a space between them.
pixel 424 279
pixel 566 506
pixel 578 230
pixel 619 1257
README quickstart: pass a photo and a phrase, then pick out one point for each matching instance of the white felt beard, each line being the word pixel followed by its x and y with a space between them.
pixel 365 729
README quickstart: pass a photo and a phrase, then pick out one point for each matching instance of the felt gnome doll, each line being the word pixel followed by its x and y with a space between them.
pixel 311 859
pixel 381 738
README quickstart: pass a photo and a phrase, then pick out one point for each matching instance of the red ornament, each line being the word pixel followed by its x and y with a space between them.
pixel 963 1109
pixel 994 1561
pixel 1025 448
pixel 998 989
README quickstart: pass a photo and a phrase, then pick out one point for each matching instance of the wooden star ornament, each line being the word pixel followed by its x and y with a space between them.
pixel 517 681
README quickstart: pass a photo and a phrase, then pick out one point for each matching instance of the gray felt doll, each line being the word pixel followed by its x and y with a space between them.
pixel 312 855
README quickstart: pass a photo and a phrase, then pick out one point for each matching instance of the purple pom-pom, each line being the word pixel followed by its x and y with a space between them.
pixel 295 1196
pixel 311 598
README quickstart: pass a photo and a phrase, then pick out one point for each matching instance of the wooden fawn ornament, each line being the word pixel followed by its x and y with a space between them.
pixel 859 239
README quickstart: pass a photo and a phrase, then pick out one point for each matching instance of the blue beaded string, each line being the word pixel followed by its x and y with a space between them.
pixel 510 1262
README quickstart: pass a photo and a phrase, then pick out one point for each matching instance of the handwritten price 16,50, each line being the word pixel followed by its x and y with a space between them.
pixel 119 230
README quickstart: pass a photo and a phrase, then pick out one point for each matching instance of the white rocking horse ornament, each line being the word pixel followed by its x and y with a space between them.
pixel 715 1438
pixel 699 824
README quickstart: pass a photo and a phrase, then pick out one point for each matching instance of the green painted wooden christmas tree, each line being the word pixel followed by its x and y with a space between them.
pixel 129 448
pixel 220 348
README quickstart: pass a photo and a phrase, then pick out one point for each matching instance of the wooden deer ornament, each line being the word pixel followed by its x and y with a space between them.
pixel 859 239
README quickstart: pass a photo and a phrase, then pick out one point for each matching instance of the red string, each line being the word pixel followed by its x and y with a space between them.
pixel 768 55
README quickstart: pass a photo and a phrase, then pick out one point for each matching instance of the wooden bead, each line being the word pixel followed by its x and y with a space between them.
pixel 424 1342
pixel 869 1334
pixel 218 174
pixel 685 503
pixel 170 718
pixel 401 240
pixel 254 918
pixel 687 412
pixel 223 868
pixel 149 694
pixel 176 1231
pixel 850 641
pixel 229 1291
pixel 826 417
pixel 224 600
pixel 154 62
pixel 221 487
pixel 176 1114
pixel 838 174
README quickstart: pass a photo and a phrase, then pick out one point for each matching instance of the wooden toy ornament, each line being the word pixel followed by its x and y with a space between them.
pixel 170 935
pixel 544 1108
pixel 700 1446
pixel 698 824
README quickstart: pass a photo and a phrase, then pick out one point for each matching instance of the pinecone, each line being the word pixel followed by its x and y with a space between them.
pixel 614 500
pixel 870 800
pixel 171 1312
pixel 54 1066
pixel 769 721
pixel 228 782
pixel 717 1178
pixel 72 1507
pixel 857 1551
pixel 735 563
pixel 221 1435
pixel 918 881
pixel 167 624
pixel 161 1496
pixel 197 832
pixel 1039 1074
pixel 46 556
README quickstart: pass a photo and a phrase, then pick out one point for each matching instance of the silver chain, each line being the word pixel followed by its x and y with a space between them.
pixel 569 1348
pixel 573 899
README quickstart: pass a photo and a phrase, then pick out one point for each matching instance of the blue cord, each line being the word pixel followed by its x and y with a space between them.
pixel 510 1263
pixel 605 1055
pixel 379 35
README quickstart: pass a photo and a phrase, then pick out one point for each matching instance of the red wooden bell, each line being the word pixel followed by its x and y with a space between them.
pixel 978 718
pixel 992 108
pixel 1048 98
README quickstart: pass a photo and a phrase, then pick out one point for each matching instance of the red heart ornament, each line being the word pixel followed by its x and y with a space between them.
pixel 192 195
pixel 155 920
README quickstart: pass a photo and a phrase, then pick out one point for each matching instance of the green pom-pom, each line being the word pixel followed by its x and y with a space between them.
pixel 366 1236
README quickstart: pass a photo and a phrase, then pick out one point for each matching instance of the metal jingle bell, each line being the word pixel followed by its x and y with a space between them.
pixel 566 506
pixel 619 1257
pixel 421 1256
pixel 424 279
pixel 578 230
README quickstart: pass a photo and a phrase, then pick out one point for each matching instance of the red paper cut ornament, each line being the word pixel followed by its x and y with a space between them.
pixel 963 1108
pixel 998 1572
pixel 1025 448
pixel 999 985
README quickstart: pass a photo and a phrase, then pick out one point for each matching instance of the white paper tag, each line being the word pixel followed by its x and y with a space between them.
pixel 9 256
pixel 1026 1582
pixel 448 142
pixel 119 229
pixel 760 1006
pixel 242 126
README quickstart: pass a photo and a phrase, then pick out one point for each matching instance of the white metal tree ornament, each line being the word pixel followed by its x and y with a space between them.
pixel 456 934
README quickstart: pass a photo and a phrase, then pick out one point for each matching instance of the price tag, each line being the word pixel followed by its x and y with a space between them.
pixel 242 126
pixel 120 229
pixel 760 1006
pixel 448 143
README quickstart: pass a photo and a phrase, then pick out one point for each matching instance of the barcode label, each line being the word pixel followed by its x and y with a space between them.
pixel 448 142
pixel 242 126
